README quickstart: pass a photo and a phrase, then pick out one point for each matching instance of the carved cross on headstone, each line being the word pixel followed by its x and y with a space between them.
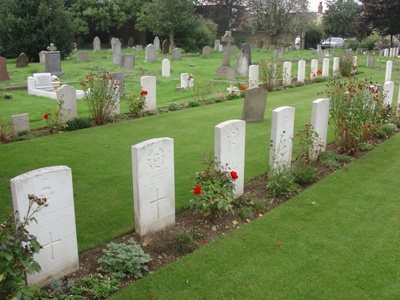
pixel 158 199
pixel 50 244
pixel 51 47
pixel 227 41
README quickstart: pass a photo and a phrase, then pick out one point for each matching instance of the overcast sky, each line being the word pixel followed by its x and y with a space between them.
pixel 313 5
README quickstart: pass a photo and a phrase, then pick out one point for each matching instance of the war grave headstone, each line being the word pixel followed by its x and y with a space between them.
pixel 165 47
pixel 206 51
pixel 55 228
pixel 20 123
pixel 53 61
pixel 148 83
pixel 253 76
pixel 42 57
pixel 150 53
pixel 301 71
pixel 386 52
pixel 229 149
pixel 96 44
pixel 131 42
pixel 156 43
pixel 287 73
pixel 226 70
pixel 254 105
pixel 314 69
pixel 3 69
pixel 22 60
pixel 370 61
pixel 176 54
pixel 335 68
pixel 120 77
pixel 319 122
pixel 116 52
pixel 242 64
pixel 82 56
pixel 388 90
pixel 278 53
pixel 166 68
pixel 217 43
pixel 246 49
pixel 280 153
pixel 388 72
pixel 66 95
pixel 325 67
pixel 127 61
pixel 153 185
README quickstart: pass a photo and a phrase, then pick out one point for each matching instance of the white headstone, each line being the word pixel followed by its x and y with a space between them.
pixel 217 43
pixel 166 68
pixel 153 185
pixel 319 122
pixel 43 81
pixel 335 68
pixel 229 149
pixel 176 54
pixel 314 69
pixel 391 52
pixel 150 53
pixel 184 80
pixel 388 73
pixel 287 73
pixel 388 90
pixel 20 123
pixel 301 70
pixel 242 64
pixel 42 57
pixel 156 43
pixel 116 51
pixel 386 52
pixel 66 95
pixel 325 67
pixel 96 44
pixel 55 228
pixel 280 153
pixel 148 83
pixel 253 76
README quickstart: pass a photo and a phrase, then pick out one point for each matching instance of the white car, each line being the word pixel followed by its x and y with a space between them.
pixel 333 42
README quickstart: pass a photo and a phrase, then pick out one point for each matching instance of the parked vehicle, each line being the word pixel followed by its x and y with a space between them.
pixel 333 42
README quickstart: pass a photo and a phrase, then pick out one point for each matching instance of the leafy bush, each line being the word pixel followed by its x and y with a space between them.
pixel 120 260
pixel 366 147
pixel 78 123
pixel 183 243
pixel 299 83
pixel 197 233
pixel 136 105
pixel 281 183
pixel 269 73
pixel 194 103
pixel 174 106
pixel 345 64
pixel 304 173
pixel 95 286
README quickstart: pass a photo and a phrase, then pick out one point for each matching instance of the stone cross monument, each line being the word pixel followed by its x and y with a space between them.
pixel 226 70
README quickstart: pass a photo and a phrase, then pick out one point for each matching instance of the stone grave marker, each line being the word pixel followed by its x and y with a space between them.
pixel 388 72
pixel 254 105
pixel 82 56
pixel 226 70
pixel 120 77
pixel 3 69
pixel 150 53
pixel 131 42
pixel 153 185
pixel 253 76
pixel 242 64
pixel 80 42
pixel 139 47
pixel 319 122
pixel 66 95
pixel 325 67
pixel 176 54
pixel 287 73
pixel 217 43
pixel 112 41
pixel 388 90
pixel 20 123
pixel 386 52
pixel 301 71
pixel 314 69
pixel 229 149
pixel 116 52
pixel 22 60
pixel 233 49
pixel 74 47
pixel 148 83
pixel 246 49
pixel 280 153
pixel 127 62
pixel 335 68
pixel 165 47
pixel 349 52
pixel 96 44
pixel 391 53
pixel 186 80
pixel 206 51
pixel 370 61
pixel 42 57
pixel 166 68
pixel 55 228
pixel 156 43
pixel 52 61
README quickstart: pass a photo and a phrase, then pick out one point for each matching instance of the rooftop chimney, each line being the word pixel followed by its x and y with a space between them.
pixel 320 8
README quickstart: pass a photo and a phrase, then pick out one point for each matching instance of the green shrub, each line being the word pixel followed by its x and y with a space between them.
pixel 246 212
pixel 269 75
pixel 183 243
pixel 194 103
pixel 95 286
pixel 366 147
pixel 281 183
pixel 345 64
pixel 279 88
pixel 136 105
pixel 78 123
pixel 120 260
pixel 174 106
pixel 299 83
pixel 389 129
pixel 197 233
pixel 304 173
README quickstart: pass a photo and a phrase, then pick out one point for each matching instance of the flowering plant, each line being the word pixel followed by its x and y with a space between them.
pixel 54 122
pixel 213 192
pixel 137 104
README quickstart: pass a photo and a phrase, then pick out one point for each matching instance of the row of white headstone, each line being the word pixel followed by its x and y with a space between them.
pixel 390 52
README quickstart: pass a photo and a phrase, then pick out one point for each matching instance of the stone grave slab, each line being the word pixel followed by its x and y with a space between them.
pixel 254 105
pixel 20 123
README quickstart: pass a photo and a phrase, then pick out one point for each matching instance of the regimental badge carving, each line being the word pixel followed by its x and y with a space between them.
pixel 156 158
pixel 233 136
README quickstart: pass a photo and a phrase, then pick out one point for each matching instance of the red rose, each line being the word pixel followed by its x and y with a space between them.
pixel 278 245
pixel 319 72
pixel 234 175
pixel 143 93
pixel 45 116
pixel 197 190
pixel 242 88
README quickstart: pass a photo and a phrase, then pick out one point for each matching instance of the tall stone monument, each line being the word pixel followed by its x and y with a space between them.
pixel 226 70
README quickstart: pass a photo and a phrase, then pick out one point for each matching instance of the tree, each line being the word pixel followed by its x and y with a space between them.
pixel 29 26
pixel 276 16
pixel 166 17
pixel 339 17
pixel 380 15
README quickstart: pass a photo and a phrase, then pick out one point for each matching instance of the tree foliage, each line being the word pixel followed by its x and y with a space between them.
pixel 339 17
pixel 30 26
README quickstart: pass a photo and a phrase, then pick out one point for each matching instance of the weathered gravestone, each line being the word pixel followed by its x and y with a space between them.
pixel 301 71
pixel 153 185
pixel 206 51
pixel 120 78
pixel 278 53
pixel 53 61
pixel 233 49
pixel 22 60
pixel 226 70
pixel 280 153
pixel 321 55
pixel 319 122
pixel 148 83
pixel 96 44
pixel 254 105
pixel 80 42
pixel 112 41
pixel 370 61
pixel 127 62
pixel 82 56
pixel 42 57
pixel 253 76
pixel 325 67
pixel 217 43
pixel 55 228
pixel 166 68
pixel 229 149
pixel 176 54
pixel 150 53
pixel 165 47
pixel 386 52
pixel 116 52
pixel 246 49
pixel 242 64
pixel 388 90
pixel 66 96
pixel 388 72
pixel 287 73
pixel 20 123
pixel 156 43
pixel 3 69
pixel 187 80
pixel 131 42
pixel 139 47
